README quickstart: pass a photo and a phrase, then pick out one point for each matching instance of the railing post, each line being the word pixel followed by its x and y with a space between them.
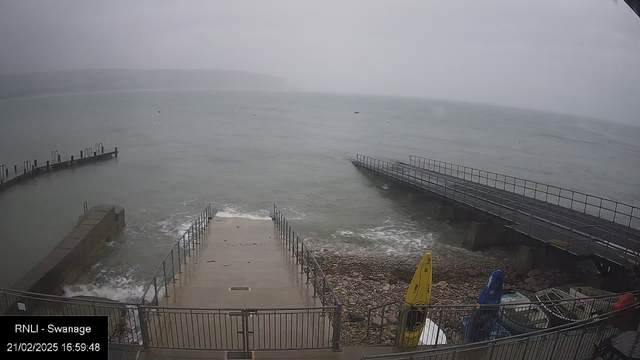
pixel 324 289
pixel 313 275
pixel 179 262
pixel 164 270
pixel 155 289
pixel 337 327
pixel 438 325
pixel 302 263
pixel 584 331
pixel 144 330
pixel 173 267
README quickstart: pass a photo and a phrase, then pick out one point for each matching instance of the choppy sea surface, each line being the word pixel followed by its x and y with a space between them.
pixel 244 151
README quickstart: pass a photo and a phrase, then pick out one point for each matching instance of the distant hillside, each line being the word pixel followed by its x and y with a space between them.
pixel 46 83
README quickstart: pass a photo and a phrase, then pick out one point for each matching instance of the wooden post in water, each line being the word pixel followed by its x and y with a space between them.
pixel 71 161
pixel 47 165
pixel 116 151
pixel 59 158
pixel 80 154
pixel 15 169
pixel 102 148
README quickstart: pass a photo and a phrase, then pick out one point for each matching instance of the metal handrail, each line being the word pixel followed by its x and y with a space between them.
pixel 177 257
pixel 510 213
pixel 599 323
pixel 304 256
pixel 525 222
pixel 29 167
pixel 441 315
pixel 519 183
pixel 309 266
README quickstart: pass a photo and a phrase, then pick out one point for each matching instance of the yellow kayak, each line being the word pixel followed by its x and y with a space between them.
pixel 414 308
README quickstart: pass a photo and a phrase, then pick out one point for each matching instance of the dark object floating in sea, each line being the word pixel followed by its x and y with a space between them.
pixel 159 111
pixel 356 112
pixel 210 261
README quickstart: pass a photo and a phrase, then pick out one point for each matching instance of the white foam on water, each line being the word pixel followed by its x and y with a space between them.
pixel 293 214
pixel 231 211
pixel 175 227
pixel 389 238
pixel 118 288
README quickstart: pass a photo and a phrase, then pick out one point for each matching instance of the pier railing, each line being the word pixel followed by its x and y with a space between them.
pixel 123 318
pixel 13 174
pixel 606 209
pixel 304 257
pixel 310 268
pixel 297 328
pixel 522 218
pixel 460 324
pixel 571 341
pixel 172 264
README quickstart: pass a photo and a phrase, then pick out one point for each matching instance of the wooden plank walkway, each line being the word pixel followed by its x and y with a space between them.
pixel 580 234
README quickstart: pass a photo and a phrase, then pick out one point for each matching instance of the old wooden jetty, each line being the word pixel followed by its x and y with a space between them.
pixel 30 169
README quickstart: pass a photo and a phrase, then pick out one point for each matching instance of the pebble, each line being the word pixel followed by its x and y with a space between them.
pixel 534 272
pixel 353 317
pixel 373 283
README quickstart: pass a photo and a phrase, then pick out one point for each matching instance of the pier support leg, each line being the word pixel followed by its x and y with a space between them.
pixel 456 213
pixel 444 212
pixel 528 258
pixel 483 235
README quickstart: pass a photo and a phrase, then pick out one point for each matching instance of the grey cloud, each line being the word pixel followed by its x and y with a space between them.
pixel 571 56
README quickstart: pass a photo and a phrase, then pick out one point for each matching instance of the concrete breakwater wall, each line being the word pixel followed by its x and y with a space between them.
pixel 13 175
pixel 66 262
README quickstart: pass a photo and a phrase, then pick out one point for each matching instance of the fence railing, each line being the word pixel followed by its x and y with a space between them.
pixel 28 167
pixel 188 244
pixel 240 329
pixel 304 257
pixel 123 318
pixel 189 328
pixel 606 209
pixel 522 218
pixel 311 269
pixel 270 329
pixel 567 342
pixel 459 324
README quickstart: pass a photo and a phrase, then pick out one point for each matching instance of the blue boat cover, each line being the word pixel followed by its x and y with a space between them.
pixel 492 290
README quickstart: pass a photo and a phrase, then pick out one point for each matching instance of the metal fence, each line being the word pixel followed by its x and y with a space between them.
pixel 304 257
pixel 240 329
pixel 186 246
pixel 189 328
pixel 460 324
pixel 123 318
pixel 28 167
pixel 562 232
pixel 606 209
pixel 567 342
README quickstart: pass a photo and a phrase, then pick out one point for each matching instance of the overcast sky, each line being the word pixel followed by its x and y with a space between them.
pixel 571 56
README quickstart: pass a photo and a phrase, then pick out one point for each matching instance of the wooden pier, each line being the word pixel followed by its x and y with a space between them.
pixel 28 170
